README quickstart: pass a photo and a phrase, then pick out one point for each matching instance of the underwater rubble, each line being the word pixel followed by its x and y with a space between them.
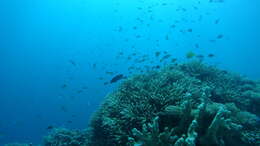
pixel 189 104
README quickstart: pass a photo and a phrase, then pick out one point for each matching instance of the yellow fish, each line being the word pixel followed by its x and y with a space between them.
pixel 190 55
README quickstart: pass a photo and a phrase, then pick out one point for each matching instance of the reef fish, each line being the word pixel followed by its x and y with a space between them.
pixel 117 78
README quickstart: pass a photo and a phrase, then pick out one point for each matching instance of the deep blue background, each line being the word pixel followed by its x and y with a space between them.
pixel 38 38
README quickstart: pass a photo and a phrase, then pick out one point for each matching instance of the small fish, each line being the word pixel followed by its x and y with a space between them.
pixel 129 58
pixel 220 36
pixel 138 36
pixel 211 55
pixel 101 78
pixel 64 86
pixel 109 72
pixel 84 87
pixel 117 78
pixel 190 55
pixel 105 83
pixel 94 65
pixel 173 26
pixel 121 53
pixel 64 108
pixel 167 37
pixel 189 30
pixel 197 46
pixel 69 121
pixel 200 57
pixel 173 60
pixel 166 56
pixel 50 127
pixel 135 27
pixel 216 1
pixel 72 62
pixel 120 29
pixel 157 54
pixel 217 21
pixel 79 91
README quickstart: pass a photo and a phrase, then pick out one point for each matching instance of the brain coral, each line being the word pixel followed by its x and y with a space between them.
pixel 187 104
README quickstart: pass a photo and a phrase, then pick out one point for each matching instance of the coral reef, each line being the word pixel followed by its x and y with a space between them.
pixel 18 144
pixel 66 137
pixel 181 105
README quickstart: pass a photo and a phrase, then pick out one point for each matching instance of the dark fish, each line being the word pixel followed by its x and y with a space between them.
pixel 220 36
pixel 216 1
pixel 72 62
pixel 84 87
pixel 135 27
pixel 50 127
pixel 173 60
pixel 173 26
pixel 167 37
pixel 211 55
pixel 189 30
pixel 197 46
pixel 94 65
pixel 121 53
pixel 201 57
pixel 117 78
pixel 101 78
pixel 69 121
pixel 120 29
pixel 64 108
pixel 79 91
pixel 138 36
pixel 157 54
pixel 217 21
pixel 105 83
pixel 166 56
pixel 64 86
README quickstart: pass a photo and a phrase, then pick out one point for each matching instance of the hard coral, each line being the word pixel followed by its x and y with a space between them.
pixel 65 137
pixel 186 104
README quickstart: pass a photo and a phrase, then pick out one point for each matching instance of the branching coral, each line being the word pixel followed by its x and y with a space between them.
pixel 65 137
pixel 180 105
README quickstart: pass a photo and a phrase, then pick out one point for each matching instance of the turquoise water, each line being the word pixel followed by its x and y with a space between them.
pixel 55 55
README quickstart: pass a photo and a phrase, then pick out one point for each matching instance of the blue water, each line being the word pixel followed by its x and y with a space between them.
pixel 53 52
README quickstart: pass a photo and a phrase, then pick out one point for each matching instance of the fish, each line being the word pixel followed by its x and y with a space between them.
pixel 200 57
pixel 173 60
pixel 72 62
pixel 167 37
pixel 166 56
pixel 211 55
pixel 217 21
pixel 69 121
pixel 79 91
pixel 50 127
pixel 197 46
pixel 216 1
pixel 173 26
pixel 157 54
pixel 64 86
pixel 101 78
pixel 64 108
pixel 190 55
pixel 109 72
pixel 220 36
pixel 105 83
pixel 189 30
pixel 116 78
